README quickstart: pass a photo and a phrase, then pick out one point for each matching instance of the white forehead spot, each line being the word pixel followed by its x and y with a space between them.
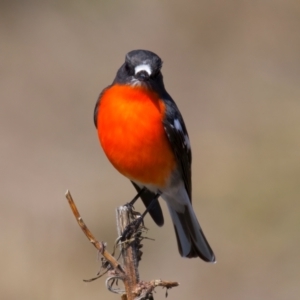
pixel 143 67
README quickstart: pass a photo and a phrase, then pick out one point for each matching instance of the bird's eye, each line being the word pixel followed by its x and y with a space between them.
pixel 128 69
pixel 155 73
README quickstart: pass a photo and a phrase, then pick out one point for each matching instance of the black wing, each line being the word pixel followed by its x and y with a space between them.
pixel 179 139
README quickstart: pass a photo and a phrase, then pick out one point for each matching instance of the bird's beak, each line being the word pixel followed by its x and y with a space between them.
pixel 142 76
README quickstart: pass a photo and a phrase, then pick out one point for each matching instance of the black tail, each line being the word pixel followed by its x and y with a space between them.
pixel 190 238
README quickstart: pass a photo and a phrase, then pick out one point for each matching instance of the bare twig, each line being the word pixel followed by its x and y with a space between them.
pixel 131 254
pixel 99 245
pixel 144 289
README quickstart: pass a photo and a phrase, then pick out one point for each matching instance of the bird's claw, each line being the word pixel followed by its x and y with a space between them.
pixel 131 229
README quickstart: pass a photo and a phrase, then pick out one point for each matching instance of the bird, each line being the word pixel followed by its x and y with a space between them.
pixel 143 135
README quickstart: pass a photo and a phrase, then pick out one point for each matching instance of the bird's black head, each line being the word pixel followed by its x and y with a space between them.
pixel 141 68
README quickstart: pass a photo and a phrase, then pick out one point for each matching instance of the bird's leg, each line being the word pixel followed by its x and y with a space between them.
pixel 152 203
pixel 134 225
pixel 131 203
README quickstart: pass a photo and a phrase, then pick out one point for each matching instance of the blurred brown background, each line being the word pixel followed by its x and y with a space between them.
pixel 233 67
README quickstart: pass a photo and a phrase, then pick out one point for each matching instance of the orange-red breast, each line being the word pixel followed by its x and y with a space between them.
pixel 144 136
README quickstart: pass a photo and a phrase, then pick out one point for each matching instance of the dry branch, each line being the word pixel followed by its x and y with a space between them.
pixel 131 255
pixel 100 246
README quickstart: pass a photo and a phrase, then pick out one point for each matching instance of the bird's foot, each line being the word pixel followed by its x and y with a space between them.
pixel 131 229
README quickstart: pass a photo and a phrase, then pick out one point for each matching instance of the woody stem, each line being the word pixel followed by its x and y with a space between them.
pixel 129 252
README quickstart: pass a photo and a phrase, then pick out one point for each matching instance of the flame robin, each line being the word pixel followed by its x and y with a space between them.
pixel 144 136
